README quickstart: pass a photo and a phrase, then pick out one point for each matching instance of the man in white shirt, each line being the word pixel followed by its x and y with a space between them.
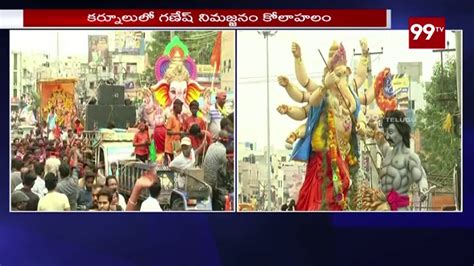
pixel 39 188
pixel 53 201
pixel 186 158
pixel 216 113
pixel 151 204
pixel 52 163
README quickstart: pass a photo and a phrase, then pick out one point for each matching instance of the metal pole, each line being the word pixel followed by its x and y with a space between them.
pixel 266 35
pixel 269 185
pixel 371 151
pixel 458 42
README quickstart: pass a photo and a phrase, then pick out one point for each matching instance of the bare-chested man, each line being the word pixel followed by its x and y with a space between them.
pixel 400 167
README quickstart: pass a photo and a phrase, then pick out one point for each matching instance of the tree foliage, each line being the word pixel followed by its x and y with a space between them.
pixel 440 150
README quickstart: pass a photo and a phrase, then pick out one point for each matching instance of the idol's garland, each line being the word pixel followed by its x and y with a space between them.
pixel 188 17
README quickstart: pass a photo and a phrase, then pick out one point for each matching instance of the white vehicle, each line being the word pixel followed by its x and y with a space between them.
pixel 112 146
pixel 109 152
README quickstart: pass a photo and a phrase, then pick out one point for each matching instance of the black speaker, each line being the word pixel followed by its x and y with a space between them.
pixel 124 116
pixel 111 95
pixel 97 115
pixel 101 115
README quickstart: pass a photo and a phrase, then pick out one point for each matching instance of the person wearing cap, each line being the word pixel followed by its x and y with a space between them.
pixel 174 130
pixel 186 158
pixel 216 113
pixel 19 201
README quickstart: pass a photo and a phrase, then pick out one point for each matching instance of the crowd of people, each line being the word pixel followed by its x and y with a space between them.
pixel 187 141
pixel 53 167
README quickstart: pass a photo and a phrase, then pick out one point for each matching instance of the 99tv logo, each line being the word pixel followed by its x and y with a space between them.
pixel 427 33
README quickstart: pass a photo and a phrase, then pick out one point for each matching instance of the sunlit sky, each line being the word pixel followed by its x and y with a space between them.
pixel 251 69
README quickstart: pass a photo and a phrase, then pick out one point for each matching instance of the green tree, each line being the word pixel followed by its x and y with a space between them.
pixel 199 43
pixel 440 149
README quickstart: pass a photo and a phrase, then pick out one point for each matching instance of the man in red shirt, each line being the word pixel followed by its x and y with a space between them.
pixel 78 127
pixel 141 142
pixel 200 140
pixel 194 119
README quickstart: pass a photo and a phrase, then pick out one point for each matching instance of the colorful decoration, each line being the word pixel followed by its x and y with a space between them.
pixel 64 107
pixel 384 94
pixel 176 73
pixel 333 152
pixel 327 142
pixel 338 56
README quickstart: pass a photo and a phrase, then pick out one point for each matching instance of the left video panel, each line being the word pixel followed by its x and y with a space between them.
pixel 106 120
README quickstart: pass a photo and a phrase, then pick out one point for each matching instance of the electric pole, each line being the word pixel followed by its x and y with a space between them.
pixel 371 172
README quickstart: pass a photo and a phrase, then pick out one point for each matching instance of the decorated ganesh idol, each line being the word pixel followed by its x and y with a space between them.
pixel 327 142
pixel 301 113
pixel 176 74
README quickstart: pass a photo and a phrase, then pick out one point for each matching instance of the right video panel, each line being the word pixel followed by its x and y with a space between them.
pixel 348 120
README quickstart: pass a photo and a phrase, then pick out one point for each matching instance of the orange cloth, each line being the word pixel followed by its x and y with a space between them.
pixel 174 125
pixel 140 138
pixel 317 192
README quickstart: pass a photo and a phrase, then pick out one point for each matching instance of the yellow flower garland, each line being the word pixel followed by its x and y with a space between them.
pixel 337 183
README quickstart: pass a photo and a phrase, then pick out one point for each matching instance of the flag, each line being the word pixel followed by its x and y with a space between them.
pixel 216 52
pixel 152 151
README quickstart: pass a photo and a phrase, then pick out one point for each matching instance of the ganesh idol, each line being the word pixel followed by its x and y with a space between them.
pixel 176 73
pixel 348 92
pixel 327 142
